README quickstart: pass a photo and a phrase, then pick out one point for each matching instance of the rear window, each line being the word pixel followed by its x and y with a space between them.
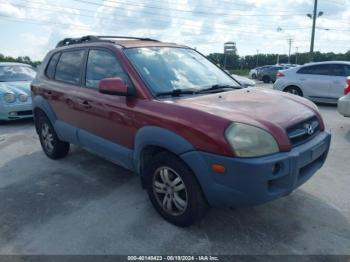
pixel 50 70
pixel 69 67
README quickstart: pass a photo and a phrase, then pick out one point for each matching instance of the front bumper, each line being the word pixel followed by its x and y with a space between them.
pixel 344 106
pixel 251 181
pixel 17 110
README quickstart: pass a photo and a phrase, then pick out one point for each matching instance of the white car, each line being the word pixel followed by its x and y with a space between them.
pixel 344 102
pixel 319 82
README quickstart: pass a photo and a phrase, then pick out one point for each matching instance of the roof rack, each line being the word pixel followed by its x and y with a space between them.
pixel 92 38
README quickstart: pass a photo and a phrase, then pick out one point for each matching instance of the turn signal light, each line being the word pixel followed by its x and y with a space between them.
pixel 218 168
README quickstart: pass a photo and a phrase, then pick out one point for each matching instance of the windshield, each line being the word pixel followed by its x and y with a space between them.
pixel 11 73
pixel 166 69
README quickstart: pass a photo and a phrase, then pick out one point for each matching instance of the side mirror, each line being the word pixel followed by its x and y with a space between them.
pixel 113 86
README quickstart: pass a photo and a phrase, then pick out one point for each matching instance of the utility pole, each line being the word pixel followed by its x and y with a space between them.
pixel 296 55
pixel 257 57
pixel 290 41
pixel 313 16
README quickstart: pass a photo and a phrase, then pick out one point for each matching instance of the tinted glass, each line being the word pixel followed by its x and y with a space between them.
pixel 100 65
pixel 166 69
pixel 338 70
pixel 50 70
pixel 68 67
pixel 12 73
pixel 324 69
pixel 347 70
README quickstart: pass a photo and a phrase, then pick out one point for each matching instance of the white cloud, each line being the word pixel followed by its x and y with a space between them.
pixel 250 23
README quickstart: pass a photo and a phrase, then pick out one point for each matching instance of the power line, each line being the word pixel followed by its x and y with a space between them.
pixel 180 10
pixel 92 16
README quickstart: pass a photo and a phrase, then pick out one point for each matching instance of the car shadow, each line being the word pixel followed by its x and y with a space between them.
pixel 38 193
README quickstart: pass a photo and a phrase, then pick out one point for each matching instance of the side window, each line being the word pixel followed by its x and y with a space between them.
pixel 103 64
pixel 324 69
pixel 347 70
pixel 338 70
pixel 69 65
pixel 50 69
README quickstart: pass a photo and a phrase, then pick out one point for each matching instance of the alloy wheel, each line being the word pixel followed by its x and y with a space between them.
pixel 47 137
pixel 170 191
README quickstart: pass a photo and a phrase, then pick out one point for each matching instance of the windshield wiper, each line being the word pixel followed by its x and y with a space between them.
pixel 177 92
pixel 218 88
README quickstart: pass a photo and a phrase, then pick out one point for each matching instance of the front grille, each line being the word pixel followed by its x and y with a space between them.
pixel 304 131
pixel 25 113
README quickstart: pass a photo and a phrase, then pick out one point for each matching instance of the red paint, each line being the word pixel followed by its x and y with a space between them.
pixel 202 120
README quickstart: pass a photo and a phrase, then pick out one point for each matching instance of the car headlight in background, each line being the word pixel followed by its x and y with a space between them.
pixel 23 97
pixel 9 97
pixel 250 141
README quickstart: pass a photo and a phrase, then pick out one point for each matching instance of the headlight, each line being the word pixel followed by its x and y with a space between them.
pixel 9 97
pixel 250 141
pixel 23 97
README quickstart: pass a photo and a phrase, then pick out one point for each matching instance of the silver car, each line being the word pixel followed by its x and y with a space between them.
pixel 320 82
pixel 15 94
pixel 344 102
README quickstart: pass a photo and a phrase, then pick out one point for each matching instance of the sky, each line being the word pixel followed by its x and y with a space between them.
pixel 33 27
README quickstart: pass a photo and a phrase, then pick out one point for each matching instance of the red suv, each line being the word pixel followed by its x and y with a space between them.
pixel 162 110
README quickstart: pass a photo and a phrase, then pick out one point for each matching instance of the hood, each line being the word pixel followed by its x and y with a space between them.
pixel 17 88
pixel 265 108
pixel 243 80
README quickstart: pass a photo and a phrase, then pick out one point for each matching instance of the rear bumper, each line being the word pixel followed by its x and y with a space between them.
pixel 248 182
pixel 344 106
pixel 16 111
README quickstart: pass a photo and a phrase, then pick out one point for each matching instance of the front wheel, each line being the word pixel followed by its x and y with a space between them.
pixel 53 147
pixel 174 190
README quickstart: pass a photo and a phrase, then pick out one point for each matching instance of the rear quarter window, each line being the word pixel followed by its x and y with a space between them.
pixel 69 67
pixel 51 67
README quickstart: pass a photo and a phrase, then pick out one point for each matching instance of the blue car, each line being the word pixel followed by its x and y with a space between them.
pixel 15 94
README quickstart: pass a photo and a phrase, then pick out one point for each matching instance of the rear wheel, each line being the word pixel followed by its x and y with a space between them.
pixel 294 90
pixel 266 79
pixel 53 147
pixel 174 190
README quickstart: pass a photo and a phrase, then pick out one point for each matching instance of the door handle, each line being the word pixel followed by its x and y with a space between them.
pixel 48 93
pixel 86 104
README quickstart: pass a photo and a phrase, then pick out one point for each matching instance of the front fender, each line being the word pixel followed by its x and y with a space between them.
pixel 156 136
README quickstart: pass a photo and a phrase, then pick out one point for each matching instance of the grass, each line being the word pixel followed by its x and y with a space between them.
pixel 241 72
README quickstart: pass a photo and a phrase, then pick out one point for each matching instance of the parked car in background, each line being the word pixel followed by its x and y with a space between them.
pixel 15 94
pixel 165 112
pixel 253 73
pixel 268 74
pixel 344 102
pixel 320 82
pixel 244 81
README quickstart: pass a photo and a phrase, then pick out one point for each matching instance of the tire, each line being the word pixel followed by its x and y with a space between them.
pixel 266 79
pixel 53 147
pixel 181 203
pixel 293 90
pixel 253 76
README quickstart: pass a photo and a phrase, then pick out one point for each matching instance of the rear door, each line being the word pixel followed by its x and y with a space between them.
pixel 315 81
pixel 64 72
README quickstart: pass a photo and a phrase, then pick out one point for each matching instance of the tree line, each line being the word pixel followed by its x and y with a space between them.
pixel 234 61
pixel 20 59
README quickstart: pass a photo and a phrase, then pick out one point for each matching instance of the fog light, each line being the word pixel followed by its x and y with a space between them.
pixel 218 168
pixel 276 168
pixel 13 114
